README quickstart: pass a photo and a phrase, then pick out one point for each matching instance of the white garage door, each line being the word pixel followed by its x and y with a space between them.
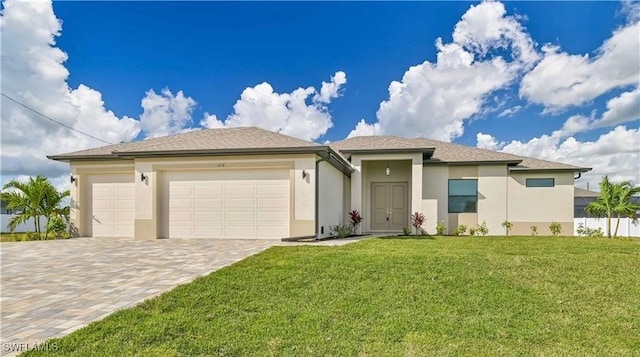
pixel 226 204
pixel 112 205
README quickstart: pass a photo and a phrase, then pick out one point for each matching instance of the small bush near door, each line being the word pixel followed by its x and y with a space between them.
pixel 341 231
pixel 461 230
pixel 441 228
pixel 555 228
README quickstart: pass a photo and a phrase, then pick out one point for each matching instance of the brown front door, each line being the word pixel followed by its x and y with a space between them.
pixel 389 206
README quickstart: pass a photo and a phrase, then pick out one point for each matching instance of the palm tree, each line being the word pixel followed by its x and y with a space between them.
pixel 624 205
pixel 603 206
pixel 33 199
pixel 615 199
pixel 52 206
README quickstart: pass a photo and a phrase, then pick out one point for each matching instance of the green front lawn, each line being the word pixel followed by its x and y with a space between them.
pixel 444 296
pixel 27 236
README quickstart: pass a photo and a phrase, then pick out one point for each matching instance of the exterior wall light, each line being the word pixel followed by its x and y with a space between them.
pixel 142 177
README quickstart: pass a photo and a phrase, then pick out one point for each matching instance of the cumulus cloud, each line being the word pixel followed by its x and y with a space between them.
pixel 33 73
pixel 166 113
pixel 621 109
pixel 562 80
pixel 303 113
pixel 434 99
pixel 616 153
pixel 365 129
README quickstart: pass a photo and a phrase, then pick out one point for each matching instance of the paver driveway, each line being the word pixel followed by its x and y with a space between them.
pixel 50 288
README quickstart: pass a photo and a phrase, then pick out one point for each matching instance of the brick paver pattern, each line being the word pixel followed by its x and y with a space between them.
pixel 51 288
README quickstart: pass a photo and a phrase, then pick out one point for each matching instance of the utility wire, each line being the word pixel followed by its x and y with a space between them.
pixel 53 120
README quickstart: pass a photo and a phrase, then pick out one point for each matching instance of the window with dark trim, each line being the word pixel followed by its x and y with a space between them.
pixel 463 196
pixel 540 182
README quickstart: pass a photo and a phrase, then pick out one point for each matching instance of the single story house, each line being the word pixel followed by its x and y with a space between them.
pixel 253 183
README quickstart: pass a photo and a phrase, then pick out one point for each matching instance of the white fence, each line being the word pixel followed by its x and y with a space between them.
pixel 29 226
pixel 626 229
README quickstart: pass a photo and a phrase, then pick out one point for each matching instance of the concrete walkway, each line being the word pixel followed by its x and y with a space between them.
pixel 51 288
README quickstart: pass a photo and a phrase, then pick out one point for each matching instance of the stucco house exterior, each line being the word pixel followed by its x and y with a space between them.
pixel 253 183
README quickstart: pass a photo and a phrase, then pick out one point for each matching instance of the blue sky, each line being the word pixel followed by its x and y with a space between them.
pixel 217 54
pixel 214 50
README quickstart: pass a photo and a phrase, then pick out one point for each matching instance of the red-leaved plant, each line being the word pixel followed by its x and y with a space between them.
pixel 417 220
pixel 355 219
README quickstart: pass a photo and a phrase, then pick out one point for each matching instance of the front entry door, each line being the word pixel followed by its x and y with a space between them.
pixel 389 206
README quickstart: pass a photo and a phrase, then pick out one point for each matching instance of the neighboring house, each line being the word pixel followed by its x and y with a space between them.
pixel 254 183
pixel 581 199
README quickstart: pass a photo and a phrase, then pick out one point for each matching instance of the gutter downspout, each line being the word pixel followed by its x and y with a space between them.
pixel 317 205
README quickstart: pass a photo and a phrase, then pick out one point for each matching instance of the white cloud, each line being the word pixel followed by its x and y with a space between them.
pixel 561 80
pixel 616 153
pixel 510 111
pixel 621 109
pixel 165 113
pixel 486 141
pixel 485 27
pixel 33 73
pixel 434 99
pixel 365 129
pixel 330 90
pixel 287 113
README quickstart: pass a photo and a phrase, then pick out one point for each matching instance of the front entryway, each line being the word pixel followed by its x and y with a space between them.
pixel 389 209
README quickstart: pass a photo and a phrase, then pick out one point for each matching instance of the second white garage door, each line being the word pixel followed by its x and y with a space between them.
pixel 225 204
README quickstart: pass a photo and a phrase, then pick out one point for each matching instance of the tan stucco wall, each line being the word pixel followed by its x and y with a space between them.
pixel 330 198
pixel 492 197
pixel 434 196
pixel 540 204
pixel 147 216
pixel 346 189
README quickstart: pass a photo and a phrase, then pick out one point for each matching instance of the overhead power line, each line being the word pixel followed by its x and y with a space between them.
pixel 53 120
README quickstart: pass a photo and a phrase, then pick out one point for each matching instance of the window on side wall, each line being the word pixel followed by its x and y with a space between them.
pixel 463 196
pixel 540 182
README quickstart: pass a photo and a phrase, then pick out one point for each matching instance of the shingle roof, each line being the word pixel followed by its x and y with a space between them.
pixel 208 139
pixel 450 152
pixel 252 138
pixel 378 143
pixel 580 192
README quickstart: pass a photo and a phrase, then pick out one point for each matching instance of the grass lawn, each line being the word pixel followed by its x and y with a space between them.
pixel 25 236
pixel 445 296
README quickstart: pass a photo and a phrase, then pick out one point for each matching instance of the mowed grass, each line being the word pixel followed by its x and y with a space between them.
pixel 389 297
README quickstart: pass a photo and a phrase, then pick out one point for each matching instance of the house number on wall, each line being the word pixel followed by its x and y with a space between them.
pixel 220 165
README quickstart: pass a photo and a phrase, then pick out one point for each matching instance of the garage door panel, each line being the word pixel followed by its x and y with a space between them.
pixel 240 217
pixel 180 203
pixel 125 204
pixel 226 203
pixel 122 216
pixel 206 190
pixel 273 203
pixel 240 203
pixel 102 204
pixel 207 203
pixel 180 190
pixel 241 190
pixel 123 191
pixel 240 231
pixel 210 218
pixel 277 216
pixel 207 231
pixel 278 190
